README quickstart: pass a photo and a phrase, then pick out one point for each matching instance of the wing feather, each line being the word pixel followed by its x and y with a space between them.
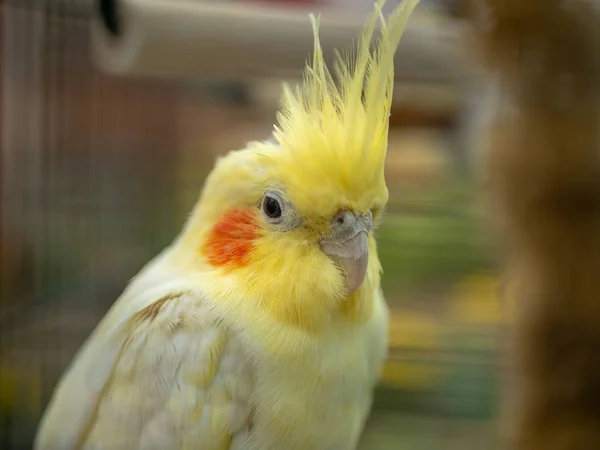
pixel 166 377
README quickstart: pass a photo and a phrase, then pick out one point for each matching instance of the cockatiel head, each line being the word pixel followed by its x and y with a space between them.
pixel 287 225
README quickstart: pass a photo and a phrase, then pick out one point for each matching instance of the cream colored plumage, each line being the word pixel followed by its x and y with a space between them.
pixel 157 373
pixel 263 325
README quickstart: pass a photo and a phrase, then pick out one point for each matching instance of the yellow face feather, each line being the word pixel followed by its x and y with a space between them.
pixel 327 159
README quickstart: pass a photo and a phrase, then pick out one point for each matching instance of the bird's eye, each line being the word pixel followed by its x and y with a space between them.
pixel 272 207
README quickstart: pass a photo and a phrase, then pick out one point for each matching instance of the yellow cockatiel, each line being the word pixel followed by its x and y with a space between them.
pixel 263 325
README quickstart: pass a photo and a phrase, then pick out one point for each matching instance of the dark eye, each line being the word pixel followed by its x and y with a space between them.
pixel 271 207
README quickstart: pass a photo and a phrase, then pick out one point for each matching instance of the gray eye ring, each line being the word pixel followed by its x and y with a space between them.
pixel 272 207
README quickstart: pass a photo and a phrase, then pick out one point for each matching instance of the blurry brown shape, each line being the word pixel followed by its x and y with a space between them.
pixel 545 176
pixel 425 104
pixel 16 268
pixel 416 156
pixel 15 256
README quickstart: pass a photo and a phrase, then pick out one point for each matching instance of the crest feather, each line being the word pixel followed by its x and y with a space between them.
pixel 342 122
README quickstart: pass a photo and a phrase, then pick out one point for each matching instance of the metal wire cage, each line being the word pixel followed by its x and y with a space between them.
pixel 78 150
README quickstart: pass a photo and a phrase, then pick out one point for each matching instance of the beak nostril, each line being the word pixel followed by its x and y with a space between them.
pixel 340 220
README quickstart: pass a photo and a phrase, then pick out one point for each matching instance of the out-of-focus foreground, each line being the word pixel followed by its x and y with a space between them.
pixel 98 173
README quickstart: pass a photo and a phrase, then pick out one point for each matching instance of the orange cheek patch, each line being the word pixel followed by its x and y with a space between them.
pixel 230 242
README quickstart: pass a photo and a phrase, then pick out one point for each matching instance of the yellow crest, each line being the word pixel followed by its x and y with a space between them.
pixel 336 125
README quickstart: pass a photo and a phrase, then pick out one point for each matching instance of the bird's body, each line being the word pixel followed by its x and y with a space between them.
pixel 263 326
pixel 227 368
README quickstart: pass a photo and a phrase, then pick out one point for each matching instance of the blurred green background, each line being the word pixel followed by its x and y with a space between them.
pixel 98 174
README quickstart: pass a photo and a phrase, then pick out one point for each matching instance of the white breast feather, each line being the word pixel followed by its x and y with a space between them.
pixel 176 380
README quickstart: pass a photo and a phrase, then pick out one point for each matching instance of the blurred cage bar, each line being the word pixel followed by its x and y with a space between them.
pixel 97 174
pixel 86 190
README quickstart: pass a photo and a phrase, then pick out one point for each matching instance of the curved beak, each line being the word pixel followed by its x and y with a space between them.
pixel 348 246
